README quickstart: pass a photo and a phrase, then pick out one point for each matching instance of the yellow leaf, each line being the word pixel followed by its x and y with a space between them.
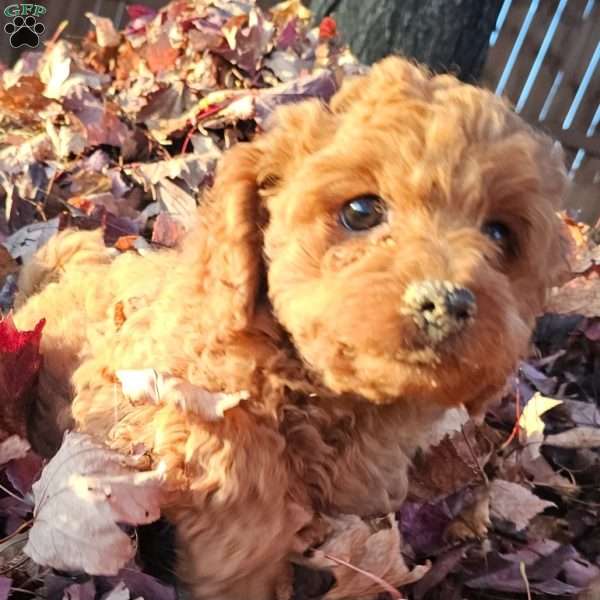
pixel 531 424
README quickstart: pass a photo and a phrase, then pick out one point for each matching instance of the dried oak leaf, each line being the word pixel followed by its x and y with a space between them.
pixel 167 230
pixel 579 296
pixel 13 448
pixel 578 437
pixel 20 360
pixel 106 34
pixel 581 252
pixel 8 264
pixel 515 503
pixel 371 553
pixel 451 465
pixel 82 496
pixel 160 55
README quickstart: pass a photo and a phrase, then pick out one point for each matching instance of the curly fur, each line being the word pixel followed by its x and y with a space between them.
pixel 269 294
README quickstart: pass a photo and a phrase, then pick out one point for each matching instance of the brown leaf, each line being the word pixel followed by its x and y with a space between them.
pixel 24 99
pixel 7 263
pixel 579 296
pixel 126 242
pixel 160 55
pixel 515 503
pixel 578 437
pixel 453 464
pixel 373 547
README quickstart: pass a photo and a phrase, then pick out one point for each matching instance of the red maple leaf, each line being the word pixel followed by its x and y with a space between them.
pixel 20 361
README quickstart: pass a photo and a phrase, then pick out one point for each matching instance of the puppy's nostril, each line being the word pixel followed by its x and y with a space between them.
pixel 427 306
pixel 460 303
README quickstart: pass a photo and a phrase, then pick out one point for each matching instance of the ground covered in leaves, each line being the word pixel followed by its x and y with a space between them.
pixel 122 132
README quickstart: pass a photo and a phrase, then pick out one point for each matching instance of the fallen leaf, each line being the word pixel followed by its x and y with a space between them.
pixel 515 503
pixel 7 263
pixel 126 242
pixel 25 242
pixel 542 564
pixel 5 585
pixel 20 361
pixel 327 28
pixel 531 424
pixel 167 230
pixel 106 34
pixel 84 492
pixel 451 465
pixel 143 385
pixel 142 585
pixel 579 296
pixel 423 525
pixel 22 472
pixel 373 548
pixel 160 55
pixel 12 448
pixel 578 437
pixel 176 201
pixel 120 592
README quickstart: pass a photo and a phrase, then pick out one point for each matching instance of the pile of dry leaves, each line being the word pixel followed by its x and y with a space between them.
pixel 122 132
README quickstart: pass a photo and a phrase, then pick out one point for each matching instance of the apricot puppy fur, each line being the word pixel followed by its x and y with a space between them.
pixel 358 269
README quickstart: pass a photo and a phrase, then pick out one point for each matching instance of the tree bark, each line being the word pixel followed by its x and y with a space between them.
pixel 447 35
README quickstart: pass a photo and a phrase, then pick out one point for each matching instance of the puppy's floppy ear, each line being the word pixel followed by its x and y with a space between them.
pixel 226 247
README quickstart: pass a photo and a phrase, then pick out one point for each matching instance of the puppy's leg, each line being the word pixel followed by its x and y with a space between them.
pixel 237 554
pixel 226 488
pixel 239 523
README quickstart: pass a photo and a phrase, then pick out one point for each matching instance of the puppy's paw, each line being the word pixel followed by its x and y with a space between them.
pixel 473 521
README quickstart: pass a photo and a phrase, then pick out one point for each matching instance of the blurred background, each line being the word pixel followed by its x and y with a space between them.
pixel 542 54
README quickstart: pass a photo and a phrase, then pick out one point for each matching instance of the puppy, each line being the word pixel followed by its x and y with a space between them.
pixel 356 271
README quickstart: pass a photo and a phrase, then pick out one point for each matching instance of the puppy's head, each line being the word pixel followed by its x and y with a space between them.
pixel 406 234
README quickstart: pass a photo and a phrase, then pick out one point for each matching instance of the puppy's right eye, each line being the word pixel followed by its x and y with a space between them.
pixel 362 213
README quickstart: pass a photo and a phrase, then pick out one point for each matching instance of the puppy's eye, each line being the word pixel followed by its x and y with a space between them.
pixel 501 235
pixel 362 213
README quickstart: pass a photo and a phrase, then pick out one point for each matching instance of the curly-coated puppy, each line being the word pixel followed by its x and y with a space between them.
pixel 356 270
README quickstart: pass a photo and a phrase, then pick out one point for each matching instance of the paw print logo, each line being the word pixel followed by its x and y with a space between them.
pixel 24 31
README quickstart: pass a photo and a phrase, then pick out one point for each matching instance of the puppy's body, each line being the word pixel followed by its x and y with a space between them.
pixel 331 330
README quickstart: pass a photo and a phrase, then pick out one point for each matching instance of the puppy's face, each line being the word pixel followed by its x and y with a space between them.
pixel 411 235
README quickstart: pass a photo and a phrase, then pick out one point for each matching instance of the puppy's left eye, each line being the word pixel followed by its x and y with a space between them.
pixel 362 213
pixel 501 235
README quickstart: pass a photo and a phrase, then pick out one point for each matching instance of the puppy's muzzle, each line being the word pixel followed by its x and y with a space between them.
pixel 439 308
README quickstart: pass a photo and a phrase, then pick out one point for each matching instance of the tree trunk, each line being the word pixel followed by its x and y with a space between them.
pixel 447 35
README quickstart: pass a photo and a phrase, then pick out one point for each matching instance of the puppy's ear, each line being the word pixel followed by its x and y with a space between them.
pixel 226 247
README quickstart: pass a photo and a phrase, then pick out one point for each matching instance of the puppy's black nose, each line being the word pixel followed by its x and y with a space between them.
pixel 460 303
pixel 439 308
